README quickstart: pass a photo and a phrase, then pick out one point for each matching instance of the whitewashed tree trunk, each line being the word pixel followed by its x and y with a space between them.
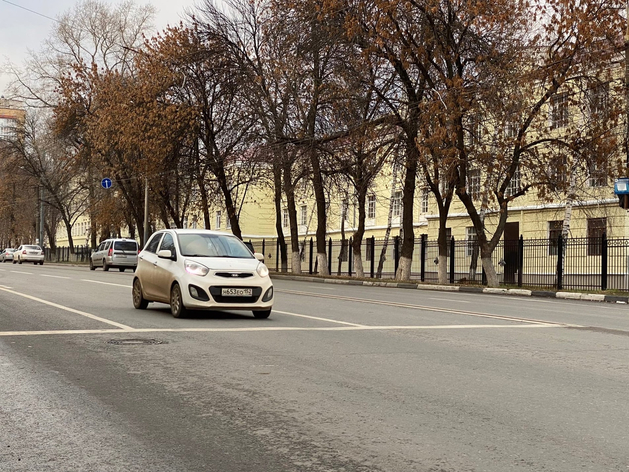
pixel 404 269
pixel 296 263
pixel 358 265
pixel 442 270
pixel 322 262
pixel 490 272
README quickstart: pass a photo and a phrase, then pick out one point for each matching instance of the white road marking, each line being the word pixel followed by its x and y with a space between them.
pixel 275 328
pixel 4 286
pixel 317 318
pixel 71 310
pixel 449 300
pixel 54 276
pixel 423 307
pixel 18 272
pixel 106 283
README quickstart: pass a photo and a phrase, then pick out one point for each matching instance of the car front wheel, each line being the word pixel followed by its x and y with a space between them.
pixel 177 308
pixel 139 302
pixel 92 265
pixel 262 314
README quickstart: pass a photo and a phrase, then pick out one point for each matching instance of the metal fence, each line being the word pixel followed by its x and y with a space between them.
pixel 573 263
pixel 63 254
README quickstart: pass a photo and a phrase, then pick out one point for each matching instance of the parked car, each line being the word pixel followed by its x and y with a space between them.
pixel 29 253
pixel 7 254
pixel 118 253
pixel 192 269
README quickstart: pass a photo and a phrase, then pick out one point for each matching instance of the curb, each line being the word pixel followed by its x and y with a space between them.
pixel 517 292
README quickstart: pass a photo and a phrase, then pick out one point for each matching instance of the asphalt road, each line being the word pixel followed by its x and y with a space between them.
pixel 340 378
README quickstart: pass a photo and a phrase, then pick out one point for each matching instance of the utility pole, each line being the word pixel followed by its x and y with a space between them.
pixel 41 217
pixel 627 89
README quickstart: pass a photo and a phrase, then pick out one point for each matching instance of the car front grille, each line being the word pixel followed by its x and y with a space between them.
pixel 234 275
pixel 216 295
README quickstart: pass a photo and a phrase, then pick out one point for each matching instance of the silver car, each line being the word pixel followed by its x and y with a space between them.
pixel 7 254
pixel 117 253
pixel 29 253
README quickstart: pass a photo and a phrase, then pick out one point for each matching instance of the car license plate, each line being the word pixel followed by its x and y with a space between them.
pixel 121 256
pixel 237 292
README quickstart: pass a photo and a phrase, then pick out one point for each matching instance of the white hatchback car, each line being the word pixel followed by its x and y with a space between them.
pixel 201 270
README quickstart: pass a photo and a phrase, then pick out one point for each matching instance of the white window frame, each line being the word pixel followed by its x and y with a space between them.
pixel 396 204
pixel 371 207
pixel 303 215
pixel 218 219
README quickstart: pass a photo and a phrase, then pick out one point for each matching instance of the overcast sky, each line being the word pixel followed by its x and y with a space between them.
pixel 25 24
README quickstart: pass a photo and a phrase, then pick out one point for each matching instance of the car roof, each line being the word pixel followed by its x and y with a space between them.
pixel 196 231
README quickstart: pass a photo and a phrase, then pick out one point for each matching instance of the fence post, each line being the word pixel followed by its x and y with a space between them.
pixel 452 260
pixel 422 252
pixel 277 255
pixel 330 256
pixel 604 262
pixel 310 262
pixel 396 252
pixel 520 259
pixel 349 257
pixel 560 249
pixel 373 255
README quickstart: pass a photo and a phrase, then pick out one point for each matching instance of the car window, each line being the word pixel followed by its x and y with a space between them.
pixel 152 244
pixel 36 248
pixel 107 244
pixel 130 246
pixel 212 245
pixel 168 243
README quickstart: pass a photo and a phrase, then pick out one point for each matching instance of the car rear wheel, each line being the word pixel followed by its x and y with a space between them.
pixel 105 266
pixel 139 302
pixel 41 263
pixel 177 308
pixel 262 314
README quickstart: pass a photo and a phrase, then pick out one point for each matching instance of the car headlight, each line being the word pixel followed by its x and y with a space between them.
pixel 195 268
pixel 262 270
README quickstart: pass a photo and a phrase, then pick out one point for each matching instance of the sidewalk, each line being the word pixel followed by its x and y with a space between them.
pixel 591 297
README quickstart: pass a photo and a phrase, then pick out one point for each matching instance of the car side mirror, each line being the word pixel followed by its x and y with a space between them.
pixel 259 256
pixel 166 254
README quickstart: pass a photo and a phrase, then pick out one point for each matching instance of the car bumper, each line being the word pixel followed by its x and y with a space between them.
pixel 28 258
pixel 119 262
pixel 217 302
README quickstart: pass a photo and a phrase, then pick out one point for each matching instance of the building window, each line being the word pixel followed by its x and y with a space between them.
pixel 303 215
pixel 228 223
pixel 425 199
pixel 396 204
pixel 559 111
pixel 371 207
pixel 218 219
pixel 285 218
pixel 554 231
pixel 598 100
pixel 598 175
pixel 514 185
pixel 472 241
pixel 596 228
pixel 473 183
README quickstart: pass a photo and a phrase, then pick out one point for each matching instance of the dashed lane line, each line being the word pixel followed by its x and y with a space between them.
pixel 318 318
pixel 54 276
pixel 106 283
pixel 19 272
pixel 65 308
pixel 425 308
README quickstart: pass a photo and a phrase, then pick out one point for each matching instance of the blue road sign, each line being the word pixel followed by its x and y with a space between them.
pixel 106 182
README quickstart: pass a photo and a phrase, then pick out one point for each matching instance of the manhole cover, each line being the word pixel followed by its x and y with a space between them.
pixel 132 342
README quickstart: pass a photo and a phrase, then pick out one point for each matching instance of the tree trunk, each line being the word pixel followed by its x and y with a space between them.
pixel 408 198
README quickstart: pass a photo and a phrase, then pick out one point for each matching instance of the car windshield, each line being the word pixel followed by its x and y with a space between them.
pixel 35 248
pixel 131 246
pixel 212 245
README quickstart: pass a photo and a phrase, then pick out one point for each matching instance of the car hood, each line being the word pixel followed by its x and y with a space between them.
pixel 214 263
